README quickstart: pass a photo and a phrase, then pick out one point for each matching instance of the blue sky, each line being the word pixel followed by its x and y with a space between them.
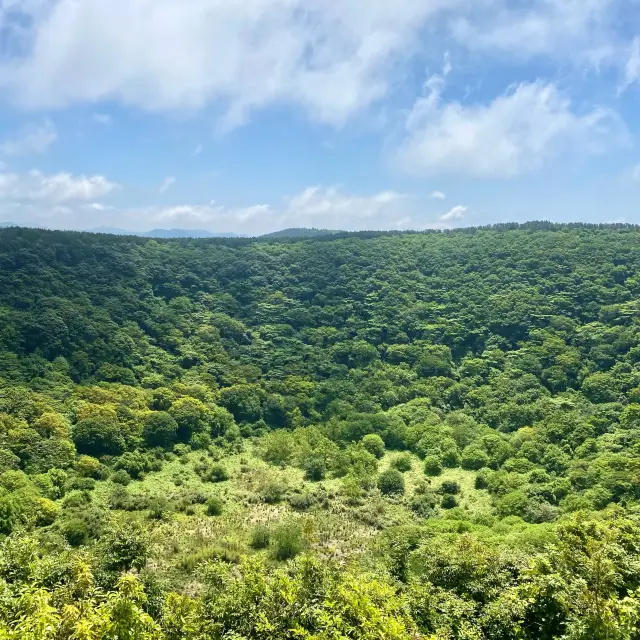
pixel 354 114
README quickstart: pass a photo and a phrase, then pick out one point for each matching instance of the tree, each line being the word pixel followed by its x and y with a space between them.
pixel 98 436
pixel 374 444
pixel 433 466
pixel 474 458
pixel 391 482
pixel 160 430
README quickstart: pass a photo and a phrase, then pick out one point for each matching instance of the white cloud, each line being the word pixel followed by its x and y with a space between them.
pixel 31 139
pixel 457 213
pixel 438 195
pixel 330 57
pixel 632 68
pixel 322 207
pixel 513 134
pixel 317 206
pixel 53 189
pixel 100 207
pixel 167 183
pixel 577 29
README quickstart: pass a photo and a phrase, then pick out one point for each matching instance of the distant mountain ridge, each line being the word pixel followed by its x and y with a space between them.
pixel 293 232
pixel 167 233
pixel 300 232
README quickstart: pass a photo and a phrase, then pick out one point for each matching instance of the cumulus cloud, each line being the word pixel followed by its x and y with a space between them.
pixel 438 195
pixel 328 207
pixel 31 139
pixel 317 206
pixel 457 213
pixel 331 57
pixel 513 134
pixel 58 188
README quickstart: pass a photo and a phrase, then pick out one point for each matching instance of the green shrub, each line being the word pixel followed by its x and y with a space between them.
pixel 135 463
pixel 46 512
pixel 215 506
pixel 121 477
pixel 89 467
pixel 274 491
pixel 76 532
pixel 474 458
pixel 125 547
pixel 302 501
pixel 449 486
pixel 77 500
pixel 98 436
pixel 374 444
pixel 260 537
pixel 482 478
pixel 433 466
pixel 391 482
pixel 160 430
pixel 402 462
pixel 81 484
pixel 287 541
pixel 216 473
pixel 158 508
pixel 424 504
pixel 449 501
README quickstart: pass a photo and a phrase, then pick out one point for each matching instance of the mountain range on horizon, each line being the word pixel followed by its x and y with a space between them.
pixel 302 232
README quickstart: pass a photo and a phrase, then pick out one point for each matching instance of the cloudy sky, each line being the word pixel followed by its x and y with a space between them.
pixel 255 115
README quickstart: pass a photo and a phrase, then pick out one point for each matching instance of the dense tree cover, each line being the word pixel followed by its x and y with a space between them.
pixel 507 355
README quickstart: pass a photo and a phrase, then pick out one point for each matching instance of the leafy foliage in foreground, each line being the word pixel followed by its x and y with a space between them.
pixel 465 405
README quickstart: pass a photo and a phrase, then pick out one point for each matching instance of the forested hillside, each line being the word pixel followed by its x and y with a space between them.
pixel 384 436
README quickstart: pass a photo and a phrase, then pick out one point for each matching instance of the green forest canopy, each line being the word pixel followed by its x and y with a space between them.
pixel 371 435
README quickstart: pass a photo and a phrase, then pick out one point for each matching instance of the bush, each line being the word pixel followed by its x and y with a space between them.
pixel 515 503
pixel 273 492
pixel 126 547
pixel 391 482
pixel 216 473
pixel 160 430
pixel 432 466
pixel 8 518
pixel 287 541
pixel 46 512
pixel 215 506
pixel 423 504
pixel 121 477
pixel 260 537
pixel 374 444
pixel 450 486
pixel 89 467
pixel 403 462
pixel 98 436
pixel 82 484
pixel 449 501
pixel 158 508
pixel 302 501
pixel 315 468
pixel 136 464
pixel 76 532
pixel 77 500
pixel 482 479
pixel 474 458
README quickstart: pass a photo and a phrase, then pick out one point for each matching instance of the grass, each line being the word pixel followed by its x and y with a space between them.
pixel 330 523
